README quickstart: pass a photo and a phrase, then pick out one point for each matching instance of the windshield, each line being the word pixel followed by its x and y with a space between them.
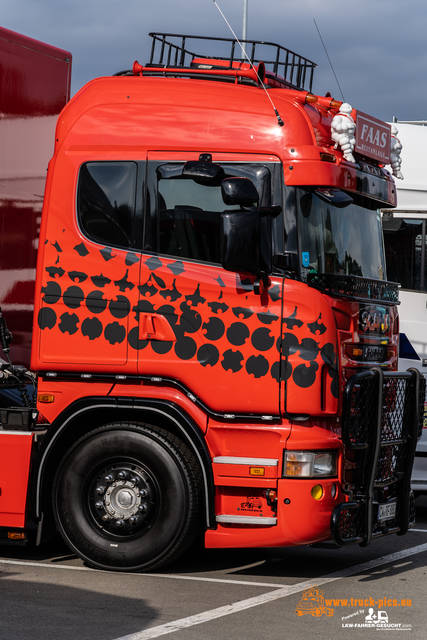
pixel 345 241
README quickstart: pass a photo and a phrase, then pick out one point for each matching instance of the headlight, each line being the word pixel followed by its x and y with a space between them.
pixel 309 464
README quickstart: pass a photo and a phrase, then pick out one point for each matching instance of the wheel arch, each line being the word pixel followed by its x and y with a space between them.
pixel 87 414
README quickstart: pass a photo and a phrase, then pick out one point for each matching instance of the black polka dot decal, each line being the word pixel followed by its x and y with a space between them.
pixel 195 299
pixel 73 297
pixel 124 284
pixel 176 267
pixel 134 341
pixel 46 318
pixel 242 312
pixel 81 250
pixel 185 348
pixel 153 263
pixel 55 272
pixel 208 355
pixel 52 292
pixel 237 334
pixel 131 258
pixel 257 366
pixel 115 333
pixel 262 339
pixel 218 307
pixel 291 321
pixel 213 329
pixel 305 374
pixel 107 253
pixel 318 328
pixel 92 328
pixel 232 361
pixel 119 307
pixel 69 323
pixel 172 294
pixel 308 349
pixel 95 302
pixel 77 276
pixel 100 281
pixel 161 346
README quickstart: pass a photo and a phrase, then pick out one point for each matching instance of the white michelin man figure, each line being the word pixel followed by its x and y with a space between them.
pixel 395 159
pixel 343 128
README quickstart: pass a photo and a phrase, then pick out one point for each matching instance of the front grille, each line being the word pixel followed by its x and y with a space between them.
pixel 382 419
pixel 356 287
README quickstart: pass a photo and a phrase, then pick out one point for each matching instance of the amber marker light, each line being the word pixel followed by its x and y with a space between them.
pixel 328 157
pixel 13 535
pixel 317 491
pixel 310 98
pixel 46 398
pixel 256 471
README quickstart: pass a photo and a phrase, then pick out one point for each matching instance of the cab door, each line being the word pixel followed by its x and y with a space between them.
pixel 200 325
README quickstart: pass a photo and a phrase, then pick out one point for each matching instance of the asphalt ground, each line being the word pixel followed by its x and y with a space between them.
pixel 47 593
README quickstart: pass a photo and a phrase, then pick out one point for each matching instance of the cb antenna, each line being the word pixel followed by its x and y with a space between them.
pixel 333 71
pixel 279 119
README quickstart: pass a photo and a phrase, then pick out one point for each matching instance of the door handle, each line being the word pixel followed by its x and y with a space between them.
pixel 153 326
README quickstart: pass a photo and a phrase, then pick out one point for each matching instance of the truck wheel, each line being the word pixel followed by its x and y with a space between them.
pixel 127 497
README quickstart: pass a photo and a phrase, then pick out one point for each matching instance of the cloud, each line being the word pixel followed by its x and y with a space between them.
pixel 376 48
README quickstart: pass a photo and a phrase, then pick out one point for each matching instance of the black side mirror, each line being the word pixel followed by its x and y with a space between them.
pixel 241 191
pixel 241 241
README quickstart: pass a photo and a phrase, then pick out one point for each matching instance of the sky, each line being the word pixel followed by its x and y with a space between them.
pixel 378 48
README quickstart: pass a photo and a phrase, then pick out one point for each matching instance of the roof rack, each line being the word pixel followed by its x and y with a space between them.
pixel 169 50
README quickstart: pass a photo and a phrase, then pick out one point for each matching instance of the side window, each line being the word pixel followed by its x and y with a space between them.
pixel 189 219
pixel 405 249
pixel 189 212
pixel 106 199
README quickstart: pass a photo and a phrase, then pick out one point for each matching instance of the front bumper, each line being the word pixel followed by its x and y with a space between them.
pixel 382 421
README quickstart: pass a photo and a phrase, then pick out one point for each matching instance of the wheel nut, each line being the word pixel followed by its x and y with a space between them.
pixel 106 518
pixel 100 490
pixel 142 508
pixel 109 478
pixel 120 523
pixel 134 480
pixel 99 505
pixel 133 520
pixel 122 475
pixel 143 493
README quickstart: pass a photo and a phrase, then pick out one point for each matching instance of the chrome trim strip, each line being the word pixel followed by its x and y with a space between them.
pixel 256 520
pixel 258 462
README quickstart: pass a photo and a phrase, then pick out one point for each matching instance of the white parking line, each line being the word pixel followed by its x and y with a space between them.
pixel 146 575
pixel 283 592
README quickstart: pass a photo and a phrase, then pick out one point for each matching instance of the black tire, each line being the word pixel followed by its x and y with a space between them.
pixel 127 497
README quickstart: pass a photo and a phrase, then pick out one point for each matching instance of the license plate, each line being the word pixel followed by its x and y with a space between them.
pixel 373 353
pixel 386 511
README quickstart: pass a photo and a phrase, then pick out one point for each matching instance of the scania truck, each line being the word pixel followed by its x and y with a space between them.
pixel 214 339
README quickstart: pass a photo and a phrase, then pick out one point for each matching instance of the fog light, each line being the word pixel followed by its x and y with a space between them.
pixel 317 491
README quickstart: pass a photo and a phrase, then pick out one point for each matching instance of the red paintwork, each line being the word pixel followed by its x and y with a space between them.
pixel 158 119
pixel 34 86
pixel 15 457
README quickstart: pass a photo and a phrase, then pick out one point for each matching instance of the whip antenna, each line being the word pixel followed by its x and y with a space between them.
pixel 333 71
pixel 279 119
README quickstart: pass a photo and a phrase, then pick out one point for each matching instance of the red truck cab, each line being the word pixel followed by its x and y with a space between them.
pixel 215 339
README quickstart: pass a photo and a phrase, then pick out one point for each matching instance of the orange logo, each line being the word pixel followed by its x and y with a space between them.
pixel 312 602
